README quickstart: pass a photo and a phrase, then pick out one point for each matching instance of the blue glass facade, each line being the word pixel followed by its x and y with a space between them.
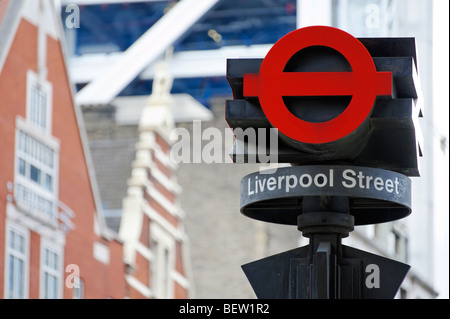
pixel 241 22
pixel 114 27
pixel 201 88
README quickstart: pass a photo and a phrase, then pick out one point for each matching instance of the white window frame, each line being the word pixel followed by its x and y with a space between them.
pixel 161 266
pixel 21 181
pixel 24 256
pixel 78 288
pixel 44 268
pixel 44 87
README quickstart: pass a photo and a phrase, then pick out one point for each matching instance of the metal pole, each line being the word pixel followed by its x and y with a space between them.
pixel 325 221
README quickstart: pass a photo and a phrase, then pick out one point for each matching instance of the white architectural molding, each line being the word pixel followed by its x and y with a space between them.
pixel 131 223
pixel 167 226
pixel 185 64
pixel 159 38
pixel 180 279
pixel 101 252
pixel 139 286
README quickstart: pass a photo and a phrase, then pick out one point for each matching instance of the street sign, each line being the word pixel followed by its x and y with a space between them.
pixel 363 83
pixel 376 195
pixel 345 112
pixel 314 115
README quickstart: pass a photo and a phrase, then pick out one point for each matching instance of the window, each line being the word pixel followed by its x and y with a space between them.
pixel 38 106
pixel 36 170
pixel 51 267
pixel 31 147
pixel 16 275
pixel 162 263
pixel 39 94
pixel 22 167
pixel 37 154
pixel 35 174
pixel 78 288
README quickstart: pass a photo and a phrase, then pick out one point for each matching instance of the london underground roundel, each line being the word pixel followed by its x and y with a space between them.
pixel 363 84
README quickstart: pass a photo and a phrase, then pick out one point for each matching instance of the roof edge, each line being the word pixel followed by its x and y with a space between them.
pixel 8 28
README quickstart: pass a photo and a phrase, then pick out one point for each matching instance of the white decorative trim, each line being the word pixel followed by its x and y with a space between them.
pixel 8 29
pixel 161 221
pixel 166 127
pixel 180 279
pixel 157 118
pixel 164 264
pixel 15 215
pixel 46 140
pixel 186 260
pixel 101 252
pixel 139 178
pixel 131 223
pixel 31 13
pixel 143 160
pixel 166 182
pixel 139 286
pixel 49 140
pixel 147 140
pixel 163 158
pixel 163 201
pixel 144 251
pixel 59 251
pixel 148 143
pixel 47 89
pixel 26 234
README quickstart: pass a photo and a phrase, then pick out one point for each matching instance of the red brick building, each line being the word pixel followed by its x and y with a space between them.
pixel 54 239
pixel 53 242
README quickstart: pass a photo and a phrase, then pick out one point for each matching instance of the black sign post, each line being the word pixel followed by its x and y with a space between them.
pixel 358 175
pixel 325 269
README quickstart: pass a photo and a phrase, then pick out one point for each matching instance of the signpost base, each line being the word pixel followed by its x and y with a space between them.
pixel 325 269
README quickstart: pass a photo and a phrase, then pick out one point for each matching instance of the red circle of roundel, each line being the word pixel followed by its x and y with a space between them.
pixel 364 83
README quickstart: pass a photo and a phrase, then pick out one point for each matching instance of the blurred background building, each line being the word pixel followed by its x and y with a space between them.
pixel 51 227
pixel 55 242
pixel 113 50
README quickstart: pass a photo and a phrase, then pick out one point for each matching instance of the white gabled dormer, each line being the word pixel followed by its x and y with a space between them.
pixel 150 199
